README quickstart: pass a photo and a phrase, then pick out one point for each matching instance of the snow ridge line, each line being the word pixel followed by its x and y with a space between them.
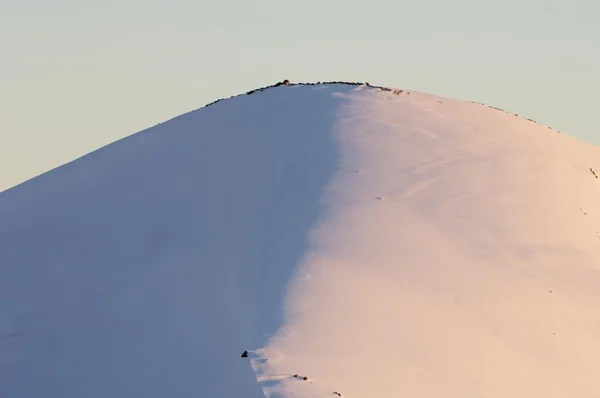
pixel 287 83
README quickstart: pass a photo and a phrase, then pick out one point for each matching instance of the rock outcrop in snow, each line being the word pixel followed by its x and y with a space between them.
pixel 379 243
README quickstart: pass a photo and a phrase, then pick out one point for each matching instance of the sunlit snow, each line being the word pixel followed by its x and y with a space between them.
pixel 382 244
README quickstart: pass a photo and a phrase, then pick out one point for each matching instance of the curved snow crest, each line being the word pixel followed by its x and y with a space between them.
pixel 459 255
pixel 419 246
pixel 144 268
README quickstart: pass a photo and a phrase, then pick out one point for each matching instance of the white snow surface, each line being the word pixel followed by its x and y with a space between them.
pixel 382 245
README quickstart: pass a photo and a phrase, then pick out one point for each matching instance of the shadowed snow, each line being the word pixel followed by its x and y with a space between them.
pixel 383 244
pixel 145 268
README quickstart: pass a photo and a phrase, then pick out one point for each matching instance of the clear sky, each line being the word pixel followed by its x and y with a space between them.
pixel 77 74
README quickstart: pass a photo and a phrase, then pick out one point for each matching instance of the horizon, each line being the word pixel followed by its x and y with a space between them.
pixel 292 82
pixel 76 76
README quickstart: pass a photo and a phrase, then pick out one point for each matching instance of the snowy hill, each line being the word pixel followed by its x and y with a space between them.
pixel 382 243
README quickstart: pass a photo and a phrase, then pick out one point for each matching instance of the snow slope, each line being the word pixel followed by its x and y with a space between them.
pixel 383 244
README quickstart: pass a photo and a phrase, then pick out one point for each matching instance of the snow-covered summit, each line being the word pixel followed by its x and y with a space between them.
pixel 380 243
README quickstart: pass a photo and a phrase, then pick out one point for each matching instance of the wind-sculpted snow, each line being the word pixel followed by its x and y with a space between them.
pixel 380 243
pixel 143 269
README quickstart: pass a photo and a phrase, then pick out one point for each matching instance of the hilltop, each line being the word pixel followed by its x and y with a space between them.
pixel 381 242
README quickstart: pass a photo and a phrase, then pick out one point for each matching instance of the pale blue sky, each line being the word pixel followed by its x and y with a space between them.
pixel 77 74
